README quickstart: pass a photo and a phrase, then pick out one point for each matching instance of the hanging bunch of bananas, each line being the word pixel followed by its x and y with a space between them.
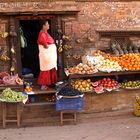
pixel 78 41
pixel 4 34
pixel 12 68
pixel 76 56
pixel 1 48
pixel 13 50
pixel 4 57
pixel 66 37
pixel 91 39
pixel 67 47
pixel 60 49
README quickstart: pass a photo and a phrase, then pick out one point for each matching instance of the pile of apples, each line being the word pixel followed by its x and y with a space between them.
pixel 82 85
pixel 82 69
pixel 107 84
pixel 108 66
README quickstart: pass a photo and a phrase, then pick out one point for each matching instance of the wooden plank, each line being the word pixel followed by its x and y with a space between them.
pixel 74 76
pixel 16 1
pixel 11 121
pixel 122 32
pixel 11 86
pixel 111 92
pixel 44 92
pixel 67 120
pixel 40 103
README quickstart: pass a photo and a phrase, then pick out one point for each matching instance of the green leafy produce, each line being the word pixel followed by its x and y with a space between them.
pixel 12 96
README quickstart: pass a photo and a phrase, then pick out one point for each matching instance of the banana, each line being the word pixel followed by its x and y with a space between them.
pixel 78 41
pixel 12 50
pixel 4 34
pixel 67 38
pixel 76 56
pixel 4 57
pixel 65 47
pixel 91 39
pixel 12 69
pixel 68 56
pixel 60 49
pixel 0 48
pixel 69 47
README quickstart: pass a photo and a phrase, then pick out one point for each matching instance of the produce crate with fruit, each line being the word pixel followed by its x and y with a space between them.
pixel 69 99
pixel 9 95
pixel 82 68
pixel 105 84
pixel 131 84
pixel 82 85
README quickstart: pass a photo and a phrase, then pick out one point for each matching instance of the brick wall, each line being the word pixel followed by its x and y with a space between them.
pixel 86 24
pixel 103 16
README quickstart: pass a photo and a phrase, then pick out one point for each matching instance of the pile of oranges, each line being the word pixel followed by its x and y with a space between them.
pixel 129 61
pixel 98 52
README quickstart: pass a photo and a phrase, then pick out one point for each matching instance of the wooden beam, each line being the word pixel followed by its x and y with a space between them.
pixel 73 76
pixel 41 13
pixel 6 1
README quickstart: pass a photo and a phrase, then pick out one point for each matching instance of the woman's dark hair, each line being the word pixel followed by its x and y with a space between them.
pixel 42 22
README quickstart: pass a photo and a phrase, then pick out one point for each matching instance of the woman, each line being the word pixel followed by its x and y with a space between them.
pixel 47 57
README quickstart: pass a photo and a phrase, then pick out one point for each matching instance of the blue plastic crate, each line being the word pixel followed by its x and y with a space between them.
pixel 70 103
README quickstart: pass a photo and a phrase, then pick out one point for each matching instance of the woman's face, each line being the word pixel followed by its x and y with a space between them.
pixel 46 26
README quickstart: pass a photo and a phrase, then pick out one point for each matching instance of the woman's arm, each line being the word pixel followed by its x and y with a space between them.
pixel 42 40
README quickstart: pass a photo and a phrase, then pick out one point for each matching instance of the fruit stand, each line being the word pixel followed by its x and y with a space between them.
pixel 11 97
pixel 104 88
pixel 110 74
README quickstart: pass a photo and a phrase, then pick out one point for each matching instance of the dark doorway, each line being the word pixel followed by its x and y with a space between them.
pixel 29 31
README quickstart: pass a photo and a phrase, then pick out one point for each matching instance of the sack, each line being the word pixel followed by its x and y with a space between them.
pixel 137 106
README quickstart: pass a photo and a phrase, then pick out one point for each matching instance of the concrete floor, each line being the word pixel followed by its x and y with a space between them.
pixel 118 125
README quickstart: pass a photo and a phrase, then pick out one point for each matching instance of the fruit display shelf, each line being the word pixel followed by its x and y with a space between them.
pixel 114 91
pixel 18 87
pixel 40 104
pixel 74 76
pixel 121 90
pixel 129 88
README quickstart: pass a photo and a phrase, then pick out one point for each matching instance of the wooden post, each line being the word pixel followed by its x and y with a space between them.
pixel 18 114
pixel 61 118
pixel 73 112
pixel 75 117
pixel 4 114
pixel 14 46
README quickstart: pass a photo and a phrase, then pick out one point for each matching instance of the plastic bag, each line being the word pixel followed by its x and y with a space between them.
pixel 137 106
pixel 60 85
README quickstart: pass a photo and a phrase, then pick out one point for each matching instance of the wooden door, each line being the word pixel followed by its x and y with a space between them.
pixel 56 32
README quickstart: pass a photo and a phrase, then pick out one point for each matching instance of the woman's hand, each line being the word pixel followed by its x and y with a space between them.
pixel 46 47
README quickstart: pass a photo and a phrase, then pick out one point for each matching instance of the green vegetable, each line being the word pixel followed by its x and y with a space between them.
pixel 12 96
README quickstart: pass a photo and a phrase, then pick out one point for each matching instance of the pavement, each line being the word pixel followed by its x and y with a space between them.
pixel 117 125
